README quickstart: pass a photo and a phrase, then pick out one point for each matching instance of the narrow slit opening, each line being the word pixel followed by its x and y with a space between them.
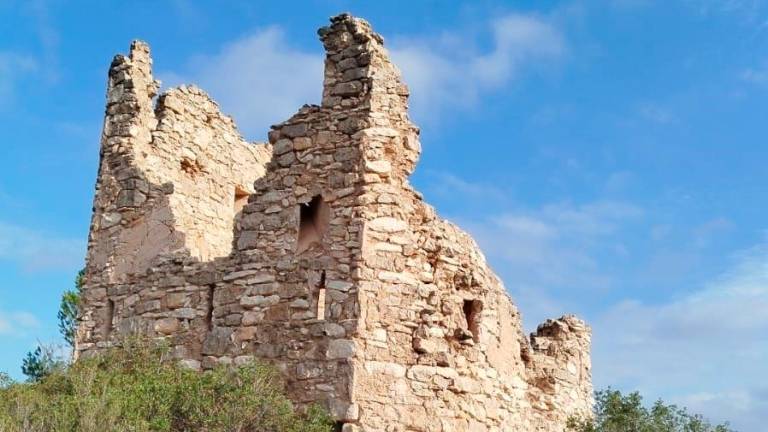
pixel 472 309
pixel 109 316
pixel 313 222
pixel 321 293
pixel 209 308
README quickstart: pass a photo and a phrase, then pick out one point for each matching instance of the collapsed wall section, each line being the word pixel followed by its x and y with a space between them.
pixel 169 177
pixel 171 181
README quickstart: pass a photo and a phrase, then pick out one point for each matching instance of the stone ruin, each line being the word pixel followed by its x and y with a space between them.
pixel 313 252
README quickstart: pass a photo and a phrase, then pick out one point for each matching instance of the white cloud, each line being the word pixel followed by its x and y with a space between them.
pixel 745 408
pixel 703 349
pixel 630 4
pixel 12 67
pixel 36 250
pixel 594 218
pixel 17 323
pixel 707 232
pixel 48 37
pixel 757 75
pixel 259 79
pixel 656 113
pixel 549 256
pixel 448 71
pixel 447 185
pixel 749 9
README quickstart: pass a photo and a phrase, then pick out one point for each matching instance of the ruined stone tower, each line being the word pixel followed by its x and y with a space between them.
pixel 315 254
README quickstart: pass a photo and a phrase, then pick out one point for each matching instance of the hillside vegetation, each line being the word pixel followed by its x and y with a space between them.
pixel 138 388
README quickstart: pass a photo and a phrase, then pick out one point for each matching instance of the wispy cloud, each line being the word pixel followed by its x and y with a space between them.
pixel 756 75
pixel 719 327
pixel 745 408
pixel 17 323
pixel 13 66
pixel 749 9
pixel 702 347
pixel 449 71
pixel 704 234
pixel 656 113
pixel 550 253
pixel 260 79
pixel 37 250
pixel 448 185
pixel 48 37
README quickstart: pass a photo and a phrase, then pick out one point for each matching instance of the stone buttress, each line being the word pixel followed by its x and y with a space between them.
pixel 313 252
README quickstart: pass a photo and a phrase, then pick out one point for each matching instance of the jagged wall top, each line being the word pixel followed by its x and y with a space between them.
pixel 170 173
pixel 360 78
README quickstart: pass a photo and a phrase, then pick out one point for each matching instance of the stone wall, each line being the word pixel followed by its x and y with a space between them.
pixel 334 270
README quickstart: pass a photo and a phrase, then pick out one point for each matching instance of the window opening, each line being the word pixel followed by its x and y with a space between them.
pixel 321 297
pixel 472 309
pixel 241 199
pixel 209 307
pixel 109 315
pixel 313 222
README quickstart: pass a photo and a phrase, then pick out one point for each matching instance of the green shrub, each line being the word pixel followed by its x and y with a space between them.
pixel 615 412
pixel 41 362
pixel 137 388
pixel 69 308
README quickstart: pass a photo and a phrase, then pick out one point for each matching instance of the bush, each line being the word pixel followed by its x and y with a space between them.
pixel 137 388
pixel 41 362
pixel 615 412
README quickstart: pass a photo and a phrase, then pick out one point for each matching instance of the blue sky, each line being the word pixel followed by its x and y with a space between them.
pixel 609 156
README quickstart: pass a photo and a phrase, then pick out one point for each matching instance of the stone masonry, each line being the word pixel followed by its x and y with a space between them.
pixel 313 252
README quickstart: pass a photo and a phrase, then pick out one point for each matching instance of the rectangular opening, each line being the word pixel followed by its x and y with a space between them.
pixel 321 304
pixel 472 309
pixel 109 316
pixel 313 222
pixel 241 199
pixel 209 308
pixel 321 297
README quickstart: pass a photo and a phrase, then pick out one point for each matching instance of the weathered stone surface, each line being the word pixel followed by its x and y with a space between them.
pixel 341 349
pixel 167 326
pixel 342 276
pixel 388 225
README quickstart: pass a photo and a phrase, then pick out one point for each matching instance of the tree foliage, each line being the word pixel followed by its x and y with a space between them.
pixel 69 309
pixel 616 412
pixel 139 388
pixel 43 359
pixel 41 362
